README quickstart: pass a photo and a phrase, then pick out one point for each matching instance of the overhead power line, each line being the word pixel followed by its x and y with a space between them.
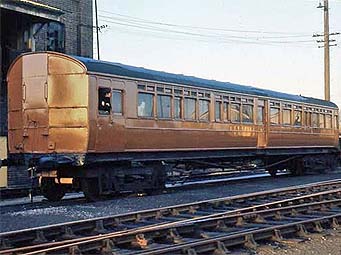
pixel 168 36
pixel 190 35
pixel 209 34
pixel 136 19
pixel 195 32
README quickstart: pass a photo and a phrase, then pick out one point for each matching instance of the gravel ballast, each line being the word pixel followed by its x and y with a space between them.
pixel 20 217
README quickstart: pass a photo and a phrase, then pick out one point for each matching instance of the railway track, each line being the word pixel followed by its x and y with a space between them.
pixel 194 228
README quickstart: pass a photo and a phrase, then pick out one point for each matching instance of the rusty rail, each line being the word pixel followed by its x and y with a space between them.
pixel 128 224
pixel 242 228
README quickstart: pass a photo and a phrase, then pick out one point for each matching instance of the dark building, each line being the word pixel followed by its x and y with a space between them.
pixel 38 25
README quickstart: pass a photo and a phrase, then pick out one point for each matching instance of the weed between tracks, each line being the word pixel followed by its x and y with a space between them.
pixel 317 244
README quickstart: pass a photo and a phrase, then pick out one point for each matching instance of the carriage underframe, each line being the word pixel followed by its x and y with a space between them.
pixel 100 174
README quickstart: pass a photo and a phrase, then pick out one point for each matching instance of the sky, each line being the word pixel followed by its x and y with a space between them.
pixel 264 43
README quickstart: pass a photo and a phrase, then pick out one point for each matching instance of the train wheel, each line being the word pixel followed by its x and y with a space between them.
pixel 273 172
pixel 159 180
pixel 90 188
pixel 297 168
pixel 333 162
pixel 51 190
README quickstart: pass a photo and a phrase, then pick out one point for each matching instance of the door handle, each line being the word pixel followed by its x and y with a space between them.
pixel 45 91
pixel 24 92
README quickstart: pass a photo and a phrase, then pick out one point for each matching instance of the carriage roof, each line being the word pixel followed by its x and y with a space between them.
pixel 147 74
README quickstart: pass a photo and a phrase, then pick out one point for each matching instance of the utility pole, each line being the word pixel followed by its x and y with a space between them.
pixel 326 47
pixel 97 30
pixel 326 52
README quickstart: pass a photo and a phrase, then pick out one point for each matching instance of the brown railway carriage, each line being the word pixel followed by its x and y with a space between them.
pixel 113 127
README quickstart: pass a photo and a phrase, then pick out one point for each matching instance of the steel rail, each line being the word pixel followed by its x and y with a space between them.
pixel 246 238
pixel 257 219
pixel 51 232
pixel 177 210
pixel 282 203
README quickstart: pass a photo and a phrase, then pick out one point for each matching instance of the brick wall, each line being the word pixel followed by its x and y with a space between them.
pixel 78 22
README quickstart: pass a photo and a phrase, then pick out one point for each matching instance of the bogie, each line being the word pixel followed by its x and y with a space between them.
pixel 148 178
pixel 51 190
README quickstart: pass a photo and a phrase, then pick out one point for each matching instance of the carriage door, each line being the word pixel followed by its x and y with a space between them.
pixel 110 119
pixel 262 122
pixel 117 118
pixel 35 106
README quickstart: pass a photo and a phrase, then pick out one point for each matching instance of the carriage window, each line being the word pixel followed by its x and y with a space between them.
pixel 307 119
pixel 104 104
pixel 226 111
pixel 321 121
pixel 177 107
pixel 286 117
pixel 297 118
pixel 314 120
pixel 235 112
pixel 247 113
pixel 328 121
pixel 336 124
pixel 217 111
pixel 189 105
pixel 274 115
pixel 203 110
pixel 163 106
pixel 260 115
pixel 117 101
pixel 145 105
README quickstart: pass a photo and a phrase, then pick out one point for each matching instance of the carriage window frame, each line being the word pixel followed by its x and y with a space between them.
pixel 322 121
pixel 102 97
pixel 194 100
pixel 233 120
pixel 178 91
pixel 336 122
pixel 328 121
pixel 307 118
pixel 226 112
pixel 286 115
pixel 179 99
pixel 260 121
pixel 251 119
pixel 296 122
pixel 217 111
pixel 160 96
pixel 313 123
pixel 152 105
pixel 206 114
pixel 120 92
pixel 260 112
pixel 278 117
